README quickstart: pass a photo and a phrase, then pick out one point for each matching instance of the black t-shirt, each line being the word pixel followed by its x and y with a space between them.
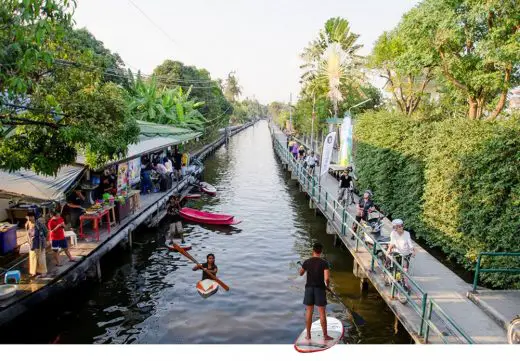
pixel 74 199
pixel 204 274
pixel 346 181
pixel 173 210
pixel 177 158
pixel 314 267
pixel 365 205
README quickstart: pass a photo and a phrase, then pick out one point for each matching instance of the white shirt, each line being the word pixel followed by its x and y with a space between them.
pixel 402 243
pixel 169 166
pixel 160 169
pixel 311 160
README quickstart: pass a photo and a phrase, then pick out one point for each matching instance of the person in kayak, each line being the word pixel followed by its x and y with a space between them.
pixel 315 289
pixel 209 266
pixel 174 209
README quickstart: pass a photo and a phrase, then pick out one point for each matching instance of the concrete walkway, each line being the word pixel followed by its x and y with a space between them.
pixel 440 283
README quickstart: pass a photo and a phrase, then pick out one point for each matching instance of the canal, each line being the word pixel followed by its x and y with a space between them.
pixel 147 295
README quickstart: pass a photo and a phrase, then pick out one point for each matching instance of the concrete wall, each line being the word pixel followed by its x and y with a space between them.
pixel 4 203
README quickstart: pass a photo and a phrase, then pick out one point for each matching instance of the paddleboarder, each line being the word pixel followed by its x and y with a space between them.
pixel 315 289
pixel 174 208
pixel 209 266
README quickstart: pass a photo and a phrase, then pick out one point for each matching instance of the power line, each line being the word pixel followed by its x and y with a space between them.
pixel 153 22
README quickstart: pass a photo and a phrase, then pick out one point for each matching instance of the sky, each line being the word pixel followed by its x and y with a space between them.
pixel 259 39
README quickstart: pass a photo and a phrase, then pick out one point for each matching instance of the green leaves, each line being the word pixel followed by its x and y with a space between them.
pixel 455 182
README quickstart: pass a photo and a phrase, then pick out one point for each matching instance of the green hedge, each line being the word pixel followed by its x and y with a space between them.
pixel 456 183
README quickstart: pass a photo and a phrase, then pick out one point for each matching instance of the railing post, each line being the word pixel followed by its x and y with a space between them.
pixel 374 253
pixel 334 209
pixel 477 271
pixel 319 194
pixel 313 187
pixel 428 323
pixel 394 271
pixel 326 198
pixel 343 220
pixel 423 313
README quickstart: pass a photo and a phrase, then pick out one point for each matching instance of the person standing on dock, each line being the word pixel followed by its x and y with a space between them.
pixel 37 237
pixel 209 266
pixel 56 227
pixel 315 289
pixel 345 184
pixel 177 164
pixel 174 209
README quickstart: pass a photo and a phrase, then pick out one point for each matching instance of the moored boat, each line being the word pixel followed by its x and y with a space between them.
pixel 208 188
pixel 7 291
pixel 185 246
pixel 207 287
pixel 193 196
pixel 197 216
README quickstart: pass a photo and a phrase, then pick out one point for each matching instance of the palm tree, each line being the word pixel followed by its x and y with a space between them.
pixel 331 60
pixel 232 90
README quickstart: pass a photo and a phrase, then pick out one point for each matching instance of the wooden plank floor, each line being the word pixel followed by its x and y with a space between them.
pixel 81 250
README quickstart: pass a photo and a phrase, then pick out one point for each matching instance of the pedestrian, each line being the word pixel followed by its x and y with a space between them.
pixel 315 289
pixel 74 208
pixel 56 227
pixel 37 238
pixel 173 210
pixel 301 153
pixel 295 150
pixel 209 266
pixel 177 164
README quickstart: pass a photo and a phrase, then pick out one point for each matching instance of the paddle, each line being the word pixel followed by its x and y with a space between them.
pixel 187 255
pixel 354 316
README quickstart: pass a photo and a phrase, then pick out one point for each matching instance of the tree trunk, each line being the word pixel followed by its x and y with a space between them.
pixel 503 96
pixel 472 114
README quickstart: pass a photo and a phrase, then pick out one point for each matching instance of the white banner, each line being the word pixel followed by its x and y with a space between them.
pixel 345 155
pixel 328 145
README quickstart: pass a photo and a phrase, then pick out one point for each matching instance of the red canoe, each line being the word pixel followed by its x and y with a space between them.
pixel 195 215
pixel 193 196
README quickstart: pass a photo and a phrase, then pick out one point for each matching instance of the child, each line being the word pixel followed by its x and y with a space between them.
pixel 56 227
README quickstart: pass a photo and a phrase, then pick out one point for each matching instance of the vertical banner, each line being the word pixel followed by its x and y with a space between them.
pixel 345 155
pixel 328 145
pixel 134 171
pixel 122 177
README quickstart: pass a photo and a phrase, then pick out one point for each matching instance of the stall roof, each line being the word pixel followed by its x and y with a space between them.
pixel 153 137
pixel 25 183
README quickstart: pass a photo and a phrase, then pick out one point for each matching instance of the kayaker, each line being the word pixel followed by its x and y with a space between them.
pixel 315 289
pixel 174 209
pixel 209 266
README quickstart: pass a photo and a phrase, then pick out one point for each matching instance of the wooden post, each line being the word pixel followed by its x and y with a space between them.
pixel 130 238
pixel 98 270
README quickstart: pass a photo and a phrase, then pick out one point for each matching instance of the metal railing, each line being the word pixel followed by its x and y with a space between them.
pixel 479 270
pixel 426 308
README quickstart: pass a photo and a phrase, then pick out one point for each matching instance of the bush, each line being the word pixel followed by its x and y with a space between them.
pixel 456 182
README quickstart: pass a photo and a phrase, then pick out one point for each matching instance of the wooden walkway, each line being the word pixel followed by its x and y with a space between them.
pixel 446 292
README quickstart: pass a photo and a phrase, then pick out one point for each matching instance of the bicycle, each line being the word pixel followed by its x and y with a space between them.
pixel 399 277
pixel 346 196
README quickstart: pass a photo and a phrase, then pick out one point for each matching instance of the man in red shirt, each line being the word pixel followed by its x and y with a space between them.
pixel 56 227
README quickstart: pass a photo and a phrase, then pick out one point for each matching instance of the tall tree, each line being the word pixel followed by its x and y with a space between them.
pixel 407 72
pixel 475 46
pixel 232 89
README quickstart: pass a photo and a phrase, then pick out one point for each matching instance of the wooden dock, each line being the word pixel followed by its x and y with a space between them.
pixel 439 310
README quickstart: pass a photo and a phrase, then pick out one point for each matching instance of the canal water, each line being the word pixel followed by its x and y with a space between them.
pixel 148 295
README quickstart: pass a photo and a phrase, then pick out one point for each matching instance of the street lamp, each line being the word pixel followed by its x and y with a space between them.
pixel 359 104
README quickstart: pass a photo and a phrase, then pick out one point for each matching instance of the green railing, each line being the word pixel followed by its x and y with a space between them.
pixel 427 309
pixel 479 270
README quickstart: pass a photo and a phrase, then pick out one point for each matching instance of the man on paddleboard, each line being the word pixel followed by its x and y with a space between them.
pixel 174 208
pixel 209 266
pixel 315 289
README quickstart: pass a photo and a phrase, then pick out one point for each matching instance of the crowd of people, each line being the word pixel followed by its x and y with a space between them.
pixel 166 169
pixel 306 157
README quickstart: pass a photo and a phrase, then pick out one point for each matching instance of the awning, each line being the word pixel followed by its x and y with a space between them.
pixel 153 138
pixel 25 183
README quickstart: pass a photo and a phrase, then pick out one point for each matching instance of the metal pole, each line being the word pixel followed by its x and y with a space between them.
pixel 423 313
pixel 312 123
pixel 290 111
pixel 477 271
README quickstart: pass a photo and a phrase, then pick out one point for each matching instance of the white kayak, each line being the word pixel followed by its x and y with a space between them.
pixel 207 287
pixel 208 188
pixel 316 343
pixel 7 291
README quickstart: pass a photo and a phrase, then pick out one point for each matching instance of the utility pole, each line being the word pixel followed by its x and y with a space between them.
pixel 290 112
pixel 312 123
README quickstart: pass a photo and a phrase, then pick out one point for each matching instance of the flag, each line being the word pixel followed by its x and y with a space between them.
pixel 345 154
pixel 328 145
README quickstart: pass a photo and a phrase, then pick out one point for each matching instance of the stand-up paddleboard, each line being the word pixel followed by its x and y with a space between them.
pixel 207 287
pixel 185 246
pixel 316 343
